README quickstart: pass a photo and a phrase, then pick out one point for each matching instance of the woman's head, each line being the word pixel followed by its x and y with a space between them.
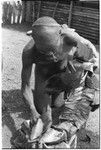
pixel 50 38
pixel 45 32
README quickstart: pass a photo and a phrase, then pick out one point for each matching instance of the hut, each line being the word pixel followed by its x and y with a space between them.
pixel 83 15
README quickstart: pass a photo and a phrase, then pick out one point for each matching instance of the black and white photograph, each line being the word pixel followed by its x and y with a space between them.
pixel 50 74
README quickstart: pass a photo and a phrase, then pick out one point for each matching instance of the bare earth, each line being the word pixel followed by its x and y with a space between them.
pixel 14 38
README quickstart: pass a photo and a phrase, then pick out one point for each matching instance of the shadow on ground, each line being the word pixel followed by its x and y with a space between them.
pixel 94 137
pixel 16 109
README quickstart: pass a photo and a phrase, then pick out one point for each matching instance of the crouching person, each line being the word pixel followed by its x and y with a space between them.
pixel 46 50
pixel 63 59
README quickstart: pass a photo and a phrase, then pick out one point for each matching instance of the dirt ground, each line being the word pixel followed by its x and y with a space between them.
pixel 14 38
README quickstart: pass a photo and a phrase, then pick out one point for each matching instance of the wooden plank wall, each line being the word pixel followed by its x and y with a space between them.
pixel 61 13
pixel 84 20
pixel 47 9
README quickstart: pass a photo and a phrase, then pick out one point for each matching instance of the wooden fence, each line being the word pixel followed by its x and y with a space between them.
pixel 84 19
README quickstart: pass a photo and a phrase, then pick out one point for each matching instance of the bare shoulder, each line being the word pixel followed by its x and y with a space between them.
pixel 28 53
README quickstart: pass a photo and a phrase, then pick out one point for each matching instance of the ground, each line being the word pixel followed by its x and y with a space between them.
pixel 14 38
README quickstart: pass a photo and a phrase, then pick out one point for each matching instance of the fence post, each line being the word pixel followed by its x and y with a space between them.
pixel 70 13
pixel 39 7
pixel 33 13
pixel 23 11
pixel 55 9
pixel 28 11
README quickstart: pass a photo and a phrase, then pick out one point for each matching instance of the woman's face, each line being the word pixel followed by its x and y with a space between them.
pixel 46 38
pixel 52 42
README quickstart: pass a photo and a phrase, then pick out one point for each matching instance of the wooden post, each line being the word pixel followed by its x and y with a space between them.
pixel 23 11
pixel 55 9
pixel 33 13
pixel 39 7
pixel 28 12
pixel 70 13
